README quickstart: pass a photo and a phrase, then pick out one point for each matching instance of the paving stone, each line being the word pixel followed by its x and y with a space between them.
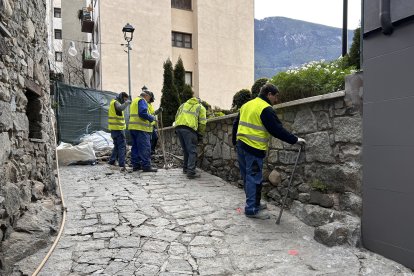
pixel 109 218
pixel 166 235
pixel 192 220
pixel 114 267
pixel 103 235
pixel 155 246
pixel 123 230
pixel 126 254
pixel 134 219
pixel 124 242
pixel 179 266
pixel 144 230
pixel 152 258
pixel 146 269
pixel 202 252
pixel 177 249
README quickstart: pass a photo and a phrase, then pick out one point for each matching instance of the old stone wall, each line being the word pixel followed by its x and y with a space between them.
pixel 27 181
pixel 327 182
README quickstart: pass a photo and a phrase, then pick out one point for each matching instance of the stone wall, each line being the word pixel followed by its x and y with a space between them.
pixel 327 182
pixel 27 179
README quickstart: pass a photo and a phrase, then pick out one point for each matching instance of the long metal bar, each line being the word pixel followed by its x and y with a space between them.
pixel 129 73
pixel 345 29
pixel 288 189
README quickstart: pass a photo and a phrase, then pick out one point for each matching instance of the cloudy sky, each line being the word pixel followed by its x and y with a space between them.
pixel 326 12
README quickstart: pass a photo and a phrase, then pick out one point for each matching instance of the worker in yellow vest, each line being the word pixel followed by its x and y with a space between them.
pixel 140 128
pixel 190 126
pixel 152 111
pixel 116 124
pixel 256 122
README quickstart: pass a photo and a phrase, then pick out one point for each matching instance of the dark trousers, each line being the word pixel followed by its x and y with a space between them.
pixel 141 149
pixel 154 140
pixel 188 141
pixel 119 150
pixel 251 171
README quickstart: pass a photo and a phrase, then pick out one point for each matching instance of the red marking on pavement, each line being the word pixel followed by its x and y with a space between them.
pixel 293 252
pixel 238 210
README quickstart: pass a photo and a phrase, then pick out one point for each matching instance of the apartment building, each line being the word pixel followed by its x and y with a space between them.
pixel 54 38
pixel 215 40
pixel 69 41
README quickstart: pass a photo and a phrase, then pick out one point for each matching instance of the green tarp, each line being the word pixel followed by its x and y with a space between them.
pixel 81 111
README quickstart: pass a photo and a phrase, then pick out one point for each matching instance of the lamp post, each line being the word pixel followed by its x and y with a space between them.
pixel 128 31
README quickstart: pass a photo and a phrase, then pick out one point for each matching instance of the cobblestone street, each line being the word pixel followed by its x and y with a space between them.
pixel 165 224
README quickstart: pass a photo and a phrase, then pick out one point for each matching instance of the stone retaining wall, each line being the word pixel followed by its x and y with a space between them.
pixel 27 181
pixel 327 182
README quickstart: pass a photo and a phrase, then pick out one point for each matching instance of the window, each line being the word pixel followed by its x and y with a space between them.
pixel 181 40
pixel 189 78
pixel 58 56
pixel 58 34
pixel 181 4
pixel 57 12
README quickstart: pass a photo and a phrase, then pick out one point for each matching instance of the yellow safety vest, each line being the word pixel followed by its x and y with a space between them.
pixel 192 114
pixel 136 122
pixel 151 111
pixel 115 122
pixel 251 130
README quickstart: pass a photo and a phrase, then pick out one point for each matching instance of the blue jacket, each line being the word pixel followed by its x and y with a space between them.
pixel 143 111
pixel 272 124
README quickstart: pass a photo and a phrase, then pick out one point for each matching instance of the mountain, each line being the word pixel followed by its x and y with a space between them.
pixel 281 43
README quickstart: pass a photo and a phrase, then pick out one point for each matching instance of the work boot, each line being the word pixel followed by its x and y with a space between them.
pixel 111 163
pixel 150 169
pixel 193 175
pixel 123 169
pixel 262 206
pixel 137 168
pixel 184 171
pixel 260 215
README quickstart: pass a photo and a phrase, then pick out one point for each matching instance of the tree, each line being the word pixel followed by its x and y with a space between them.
pixel 179 79
pixel 241 97
pixel 169 98
pixel 257 85
pixel 187 93
pixel 71 70
pixel 355 51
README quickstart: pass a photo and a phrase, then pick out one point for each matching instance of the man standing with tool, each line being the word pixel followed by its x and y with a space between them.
pixel 116 124
pixel 257 120
pixel 151 111
pixel 141 129
pixel 190 126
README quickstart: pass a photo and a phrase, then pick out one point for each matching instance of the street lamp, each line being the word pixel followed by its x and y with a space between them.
pixel 128 31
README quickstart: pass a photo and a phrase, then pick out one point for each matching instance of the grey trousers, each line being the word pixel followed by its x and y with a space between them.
pixel 188 141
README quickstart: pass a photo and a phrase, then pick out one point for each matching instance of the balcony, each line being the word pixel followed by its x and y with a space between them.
pixel 86 17
pixel 88 62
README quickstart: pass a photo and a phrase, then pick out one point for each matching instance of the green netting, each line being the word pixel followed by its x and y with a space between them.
pixel 81 111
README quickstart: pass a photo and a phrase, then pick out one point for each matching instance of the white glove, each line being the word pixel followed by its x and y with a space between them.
pixel 301 141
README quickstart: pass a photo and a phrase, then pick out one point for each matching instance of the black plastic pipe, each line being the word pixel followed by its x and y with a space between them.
pixel 385 17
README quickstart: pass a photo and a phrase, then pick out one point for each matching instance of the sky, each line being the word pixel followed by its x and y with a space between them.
pixel 325 12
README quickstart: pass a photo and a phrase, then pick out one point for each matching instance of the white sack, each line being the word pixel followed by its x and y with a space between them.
pixel 68 154
pixel 101 140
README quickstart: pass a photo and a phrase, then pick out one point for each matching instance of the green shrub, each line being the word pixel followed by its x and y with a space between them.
pixel 318 185
pixel 314 78
pixel 257 85
pixel 240 98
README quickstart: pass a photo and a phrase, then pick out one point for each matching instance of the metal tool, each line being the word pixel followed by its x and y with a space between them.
pixel 290 183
